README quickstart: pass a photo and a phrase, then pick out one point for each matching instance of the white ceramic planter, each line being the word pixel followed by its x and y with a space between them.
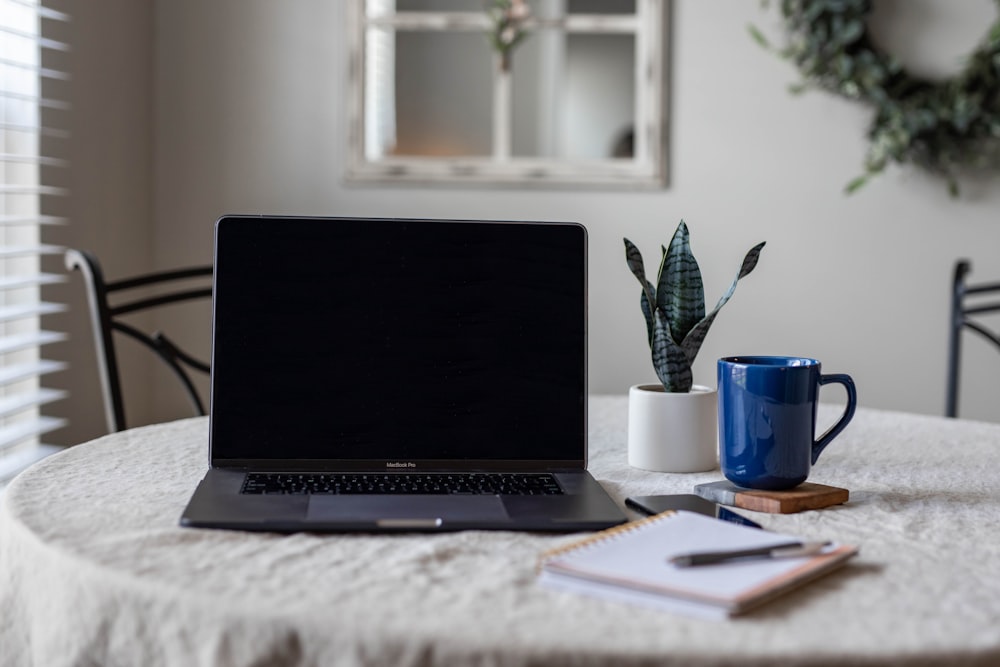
pixel 673 432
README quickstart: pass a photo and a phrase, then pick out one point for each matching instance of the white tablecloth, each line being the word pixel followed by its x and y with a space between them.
pixel 94 569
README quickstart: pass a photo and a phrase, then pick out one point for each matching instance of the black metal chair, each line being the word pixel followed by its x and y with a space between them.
pixel 967 300
pixel 168 287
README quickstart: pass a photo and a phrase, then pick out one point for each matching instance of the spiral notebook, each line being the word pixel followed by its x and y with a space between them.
pixel 630 563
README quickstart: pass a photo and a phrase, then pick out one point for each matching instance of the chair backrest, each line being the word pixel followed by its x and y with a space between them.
pixel 166 287
pixel 967 302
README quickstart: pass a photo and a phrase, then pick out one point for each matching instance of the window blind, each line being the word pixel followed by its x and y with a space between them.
pixel 30 105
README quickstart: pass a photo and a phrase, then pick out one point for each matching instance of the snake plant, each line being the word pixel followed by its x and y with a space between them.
pixel 676 323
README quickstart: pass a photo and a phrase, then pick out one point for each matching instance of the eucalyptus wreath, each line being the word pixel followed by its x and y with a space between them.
pixel 942 126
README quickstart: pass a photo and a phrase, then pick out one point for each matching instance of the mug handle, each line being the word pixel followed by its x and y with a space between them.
pixel 852 402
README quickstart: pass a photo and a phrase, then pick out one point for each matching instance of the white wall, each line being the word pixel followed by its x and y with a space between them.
pixel 250 116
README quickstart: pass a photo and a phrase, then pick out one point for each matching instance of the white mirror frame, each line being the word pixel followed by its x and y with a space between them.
pixel 646 169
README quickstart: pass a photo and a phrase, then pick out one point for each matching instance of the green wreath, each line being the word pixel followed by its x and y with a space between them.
pixel 942 126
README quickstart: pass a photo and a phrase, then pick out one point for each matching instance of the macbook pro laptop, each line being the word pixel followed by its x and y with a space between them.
pixel 399 375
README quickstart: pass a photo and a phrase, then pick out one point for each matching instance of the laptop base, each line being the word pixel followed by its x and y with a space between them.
pixel 217 503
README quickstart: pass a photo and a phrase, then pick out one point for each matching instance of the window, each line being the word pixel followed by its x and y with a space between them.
pixel 575 100
pixel 27 107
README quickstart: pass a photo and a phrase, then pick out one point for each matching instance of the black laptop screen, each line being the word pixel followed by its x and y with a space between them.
pixel 398 340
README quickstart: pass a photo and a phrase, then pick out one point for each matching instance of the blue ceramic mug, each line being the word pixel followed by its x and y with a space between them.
pixel 767 419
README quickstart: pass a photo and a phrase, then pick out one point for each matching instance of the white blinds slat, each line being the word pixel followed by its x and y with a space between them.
pixel 41 130
pixel 42 11
pixel 33 309
pixel 29 340
pixel 25 400
pixel 18 311
pixel 10 373
pixel 13 462
pixel 20 189
pixel 29 251
pixel 29 280
pixel 43 72
pixel 33 159
pixel 15 433
pixel 11 220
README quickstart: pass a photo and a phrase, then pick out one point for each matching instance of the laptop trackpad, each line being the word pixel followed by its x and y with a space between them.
pixel 430 510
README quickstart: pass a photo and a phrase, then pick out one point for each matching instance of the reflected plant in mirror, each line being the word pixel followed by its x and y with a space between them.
pixel 508 18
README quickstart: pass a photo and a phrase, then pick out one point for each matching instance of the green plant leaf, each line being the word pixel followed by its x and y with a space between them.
pixel 749 264
pixel 635 264
pixel 648 314
pixel 680 293
pixel 851 31
pixel 691 344
pixel 758 36
pixel 671 364
pixel 856 184
pixel 953 189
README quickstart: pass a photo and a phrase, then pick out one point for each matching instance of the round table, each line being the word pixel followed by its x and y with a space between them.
pixel 94 569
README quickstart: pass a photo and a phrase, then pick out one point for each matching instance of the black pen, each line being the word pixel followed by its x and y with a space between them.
pixel 783 550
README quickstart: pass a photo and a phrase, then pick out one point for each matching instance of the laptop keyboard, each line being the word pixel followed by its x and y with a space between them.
pixel 508 484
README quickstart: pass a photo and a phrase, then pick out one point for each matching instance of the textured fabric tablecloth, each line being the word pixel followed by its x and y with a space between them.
pixel 94 569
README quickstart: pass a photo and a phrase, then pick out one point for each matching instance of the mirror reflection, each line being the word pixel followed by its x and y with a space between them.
pixel 575 99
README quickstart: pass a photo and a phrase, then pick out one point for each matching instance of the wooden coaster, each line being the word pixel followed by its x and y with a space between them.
pixel 805 496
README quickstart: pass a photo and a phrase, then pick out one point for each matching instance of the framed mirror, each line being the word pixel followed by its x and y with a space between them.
pixel 508 92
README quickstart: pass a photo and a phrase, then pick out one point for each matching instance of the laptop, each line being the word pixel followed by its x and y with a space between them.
pixel 383 375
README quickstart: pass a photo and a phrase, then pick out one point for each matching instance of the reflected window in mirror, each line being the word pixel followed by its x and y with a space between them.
pixel 520 92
